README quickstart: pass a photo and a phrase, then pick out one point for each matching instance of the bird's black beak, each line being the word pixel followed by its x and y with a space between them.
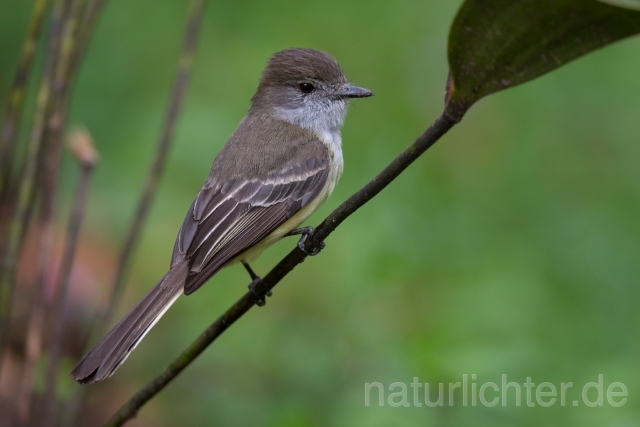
pixel 350 91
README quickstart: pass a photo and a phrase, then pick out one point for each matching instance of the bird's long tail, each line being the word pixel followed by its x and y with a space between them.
pixel 103 360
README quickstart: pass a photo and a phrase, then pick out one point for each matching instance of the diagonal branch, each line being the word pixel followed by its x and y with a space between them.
pixel 288 263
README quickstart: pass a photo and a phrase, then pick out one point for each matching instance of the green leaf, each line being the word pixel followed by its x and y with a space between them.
pixel 631 4
pixel 497 44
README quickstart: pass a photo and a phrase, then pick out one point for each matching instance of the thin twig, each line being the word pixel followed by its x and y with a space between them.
pixel 20 216
pixel 164 143
pixel 17 95
pixel 63 77
pixel 65 72
pixel 295 257
pixel 33 342
pixel 9 136
pixel 82 148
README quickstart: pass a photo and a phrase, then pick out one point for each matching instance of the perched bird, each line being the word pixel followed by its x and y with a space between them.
pixel 279 165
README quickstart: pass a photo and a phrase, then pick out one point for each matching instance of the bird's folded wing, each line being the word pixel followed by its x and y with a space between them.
pixel 228 218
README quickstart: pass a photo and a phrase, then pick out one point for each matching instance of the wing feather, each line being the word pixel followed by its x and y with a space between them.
pixel 227 218
pixel 252 234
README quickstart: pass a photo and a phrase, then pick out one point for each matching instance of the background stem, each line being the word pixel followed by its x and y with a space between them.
pixel 17 95
pixel 83 150
pixel 19 220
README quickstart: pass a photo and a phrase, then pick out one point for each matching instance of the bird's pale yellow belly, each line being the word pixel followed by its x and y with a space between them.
pixel 299 217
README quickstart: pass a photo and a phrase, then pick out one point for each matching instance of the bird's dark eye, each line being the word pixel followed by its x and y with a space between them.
pixel 306 87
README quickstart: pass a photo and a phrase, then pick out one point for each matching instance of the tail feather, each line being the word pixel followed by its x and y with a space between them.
pixel 103 360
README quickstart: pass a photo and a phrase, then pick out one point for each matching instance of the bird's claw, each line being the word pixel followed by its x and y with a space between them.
pixel 306 232
pixel 315 252
pixel 260 299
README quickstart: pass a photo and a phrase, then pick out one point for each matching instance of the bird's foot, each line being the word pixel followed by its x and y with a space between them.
pixel 306 232
pixel 260 299
pixel 255 279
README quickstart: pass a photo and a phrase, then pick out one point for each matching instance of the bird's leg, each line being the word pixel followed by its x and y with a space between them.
pixel 305 231
pixel 252 286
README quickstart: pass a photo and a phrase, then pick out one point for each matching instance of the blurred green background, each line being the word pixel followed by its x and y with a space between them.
pixel 512 247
